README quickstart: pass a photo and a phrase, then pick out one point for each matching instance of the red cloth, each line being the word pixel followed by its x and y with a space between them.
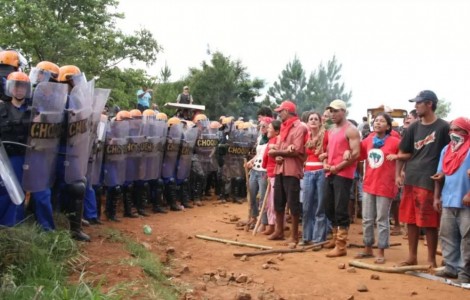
pixel 454 159
pixel 337 145
pixel 269 162
pixel 379 177
pixel 286 126
pixel 311 156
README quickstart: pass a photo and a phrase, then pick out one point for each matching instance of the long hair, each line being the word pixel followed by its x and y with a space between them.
pixel 316 142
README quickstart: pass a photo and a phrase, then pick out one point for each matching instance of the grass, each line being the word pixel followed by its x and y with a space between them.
pixel 35 265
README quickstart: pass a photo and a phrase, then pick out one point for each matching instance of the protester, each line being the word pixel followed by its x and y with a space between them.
pixel 420 147
pixel 258 179
pixel 314 221
pixel 339 175
pixel 269 163
pixel 379 151
pixel 452 199
pixel 289 155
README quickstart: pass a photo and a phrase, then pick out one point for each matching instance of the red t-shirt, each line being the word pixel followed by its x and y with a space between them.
pixel 379 177
pixel 269 162
pixel 312 163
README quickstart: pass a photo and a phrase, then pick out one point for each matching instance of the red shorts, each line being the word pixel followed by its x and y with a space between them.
pixel 416 207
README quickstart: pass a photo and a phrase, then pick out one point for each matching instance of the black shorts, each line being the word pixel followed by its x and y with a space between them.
pixel 287 191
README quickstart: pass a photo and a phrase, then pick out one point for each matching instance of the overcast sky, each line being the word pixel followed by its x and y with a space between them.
pixel 390 50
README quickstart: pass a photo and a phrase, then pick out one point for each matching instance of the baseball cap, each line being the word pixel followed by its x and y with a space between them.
pixel 287 105
pixel 425 95
pixel 337 104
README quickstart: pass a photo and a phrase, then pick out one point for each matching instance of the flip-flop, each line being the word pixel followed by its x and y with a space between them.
pixel 379 260
pixel 404 264
pixel 363 255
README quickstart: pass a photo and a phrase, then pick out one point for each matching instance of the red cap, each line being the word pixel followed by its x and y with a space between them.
pixel 287 105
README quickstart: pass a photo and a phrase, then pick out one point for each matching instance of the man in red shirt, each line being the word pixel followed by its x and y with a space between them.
pixel 342 137
pixel 290 156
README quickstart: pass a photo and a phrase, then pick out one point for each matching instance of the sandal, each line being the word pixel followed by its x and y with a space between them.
pixel 379 260
pixel 363 255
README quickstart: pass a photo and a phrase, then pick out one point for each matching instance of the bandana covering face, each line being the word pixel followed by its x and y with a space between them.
pixel 458 147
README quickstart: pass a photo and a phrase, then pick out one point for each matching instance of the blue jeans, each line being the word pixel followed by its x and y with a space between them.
pixel 258 183
pixel 376 208
pixel 455 240
pixel 313 208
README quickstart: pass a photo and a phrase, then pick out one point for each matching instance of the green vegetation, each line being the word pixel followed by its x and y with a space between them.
pixel 35 265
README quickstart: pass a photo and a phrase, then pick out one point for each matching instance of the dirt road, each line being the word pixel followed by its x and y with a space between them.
pixel 204 268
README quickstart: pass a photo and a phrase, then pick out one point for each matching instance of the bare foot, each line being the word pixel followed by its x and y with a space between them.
pixel 268 231
pixel 407 263
pixel 276 237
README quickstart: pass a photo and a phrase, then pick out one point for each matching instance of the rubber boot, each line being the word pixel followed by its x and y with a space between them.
pixel 138 197
pixel 341 240
pixel 155 196
pixel 332 243
pixel 126 199
pixel 112 198
pixel 184 192
pixel 170 195
pixel 76 194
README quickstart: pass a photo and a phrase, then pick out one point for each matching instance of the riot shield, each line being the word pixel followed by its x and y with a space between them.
pixel 98 132
pixel 8 178
pixel 78 133
pixel 206 146
pixel 186 153
pixel 135 169
pixel 154 132
pixel 115 153
pixel 172 148
pixel 240 144
pixel 47 118
pixel 96 157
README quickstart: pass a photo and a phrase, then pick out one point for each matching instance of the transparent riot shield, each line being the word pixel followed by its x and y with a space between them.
pixel 186 152
pixel 135 169
pixel 96 161
pixel 78 133
pixel 172 148
pixel 115 153
pixel 47 119
pixel 8 178
pixel 155 132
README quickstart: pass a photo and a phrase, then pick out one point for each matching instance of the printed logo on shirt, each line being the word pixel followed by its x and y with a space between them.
pixel 431 138
pixel 375 158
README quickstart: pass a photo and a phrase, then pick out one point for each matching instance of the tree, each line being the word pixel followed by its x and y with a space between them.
pixel 78 32
pixel 125 84
pixel 224 87
pixel 323 86
pixel 292 84
pixel 443 108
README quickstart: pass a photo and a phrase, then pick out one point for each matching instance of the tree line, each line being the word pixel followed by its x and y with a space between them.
pixel 84 33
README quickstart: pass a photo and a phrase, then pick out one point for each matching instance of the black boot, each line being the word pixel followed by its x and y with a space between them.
pixel 236 192
pixel 98 192
pixel 184 192
pixel 170 196
pixel 138 197
pixel 112 198
pixel 76 194
pixel 126 199
pixel 155 196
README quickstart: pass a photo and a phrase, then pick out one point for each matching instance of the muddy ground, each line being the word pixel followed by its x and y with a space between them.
pixel 209 270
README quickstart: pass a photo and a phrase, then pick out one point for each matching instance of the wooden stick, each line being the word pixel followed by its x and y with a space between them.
pixel 227 222
pixel 352 245
pixel 362 265
pixel 248 196
pixel 258 221
pixel 209 238
pixel 275 251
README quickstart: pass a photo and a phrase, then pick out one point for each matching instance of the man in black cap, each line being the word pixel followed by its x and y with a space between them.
pixel 420 147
